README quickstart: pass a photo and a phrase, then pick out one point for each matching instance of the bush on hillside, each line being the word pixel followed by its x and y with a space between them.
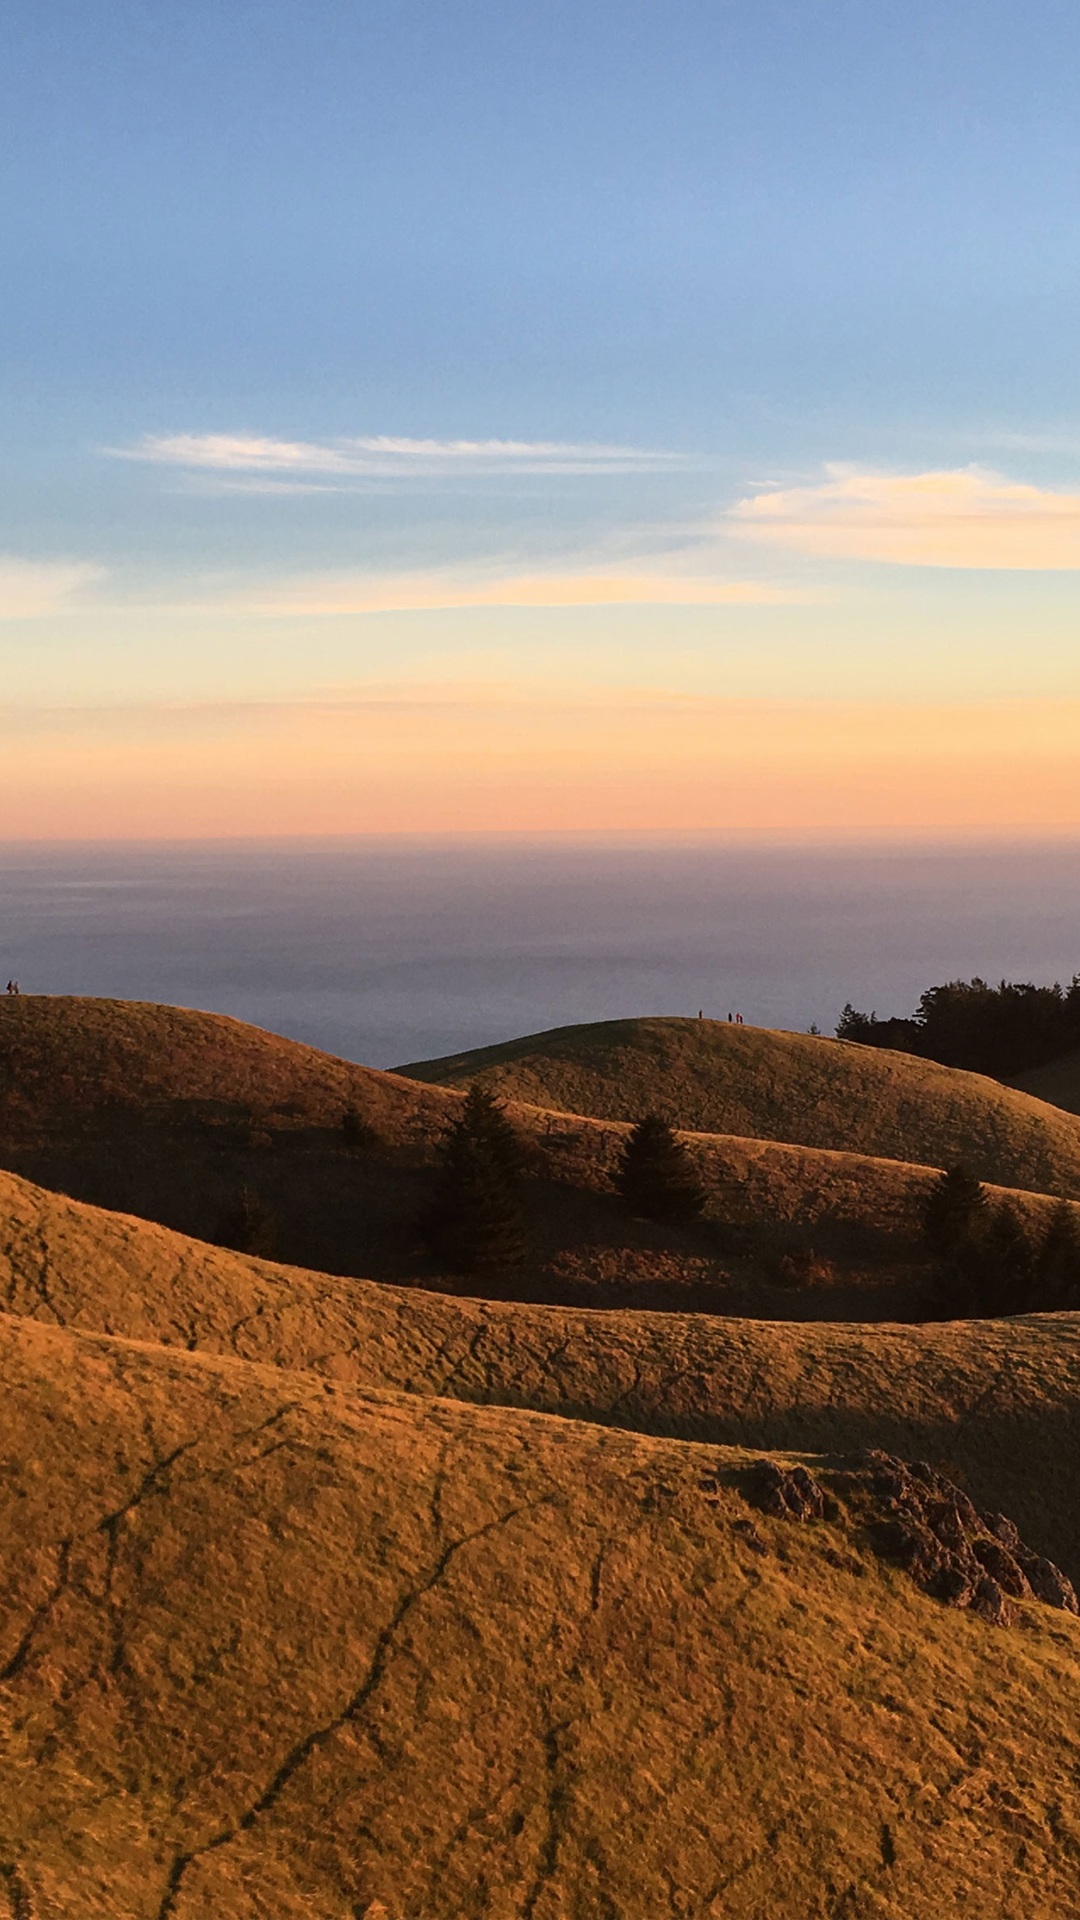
pixel 358 1134
pixel 474 1221
pixel 656 1176
pixel 993 1261
pixel 1058 1266
pixel 247 1225
pixel 956 1204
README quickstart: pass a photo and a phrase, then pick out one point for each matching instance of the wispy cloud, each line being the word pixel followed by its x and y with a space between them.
pixel 961 517
pixel 30 589
pixel 322 594
pixel 383 457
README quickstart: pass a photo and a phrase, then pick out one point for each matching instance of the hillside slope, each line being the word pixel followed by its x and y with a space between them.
pixel 709 1077
pixel 996 1403
pixel 62 1055
pixel 273 1649
pixel 171 1114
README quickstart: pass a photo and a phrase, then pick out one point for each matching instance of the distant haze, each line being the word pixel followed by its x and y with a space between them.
pixel 386 950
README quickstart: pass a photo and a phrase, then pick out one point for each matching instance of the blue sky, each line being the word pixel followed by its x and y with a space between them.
pixel 348 345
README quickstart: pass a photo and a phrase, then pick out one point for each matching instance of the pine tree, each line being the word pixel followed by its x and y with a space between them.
pixel 1002 1263
pixel 954 1211
pixel 474 1222
pixel 1057 1268
pixel 656 1176
pixel 247 1225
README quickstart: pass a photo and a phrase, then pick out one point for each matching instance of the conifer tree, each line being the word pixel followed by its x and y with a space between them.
pixel 247 1225
pixel 954 1211
pixel 656 1176
pixel 1057 1270
pixel 474 1222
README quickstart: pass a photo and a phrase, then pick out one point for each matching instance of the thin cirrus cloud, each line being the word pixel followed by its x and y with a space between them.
pixel 258 463
pixel 33 589
pixel 967 517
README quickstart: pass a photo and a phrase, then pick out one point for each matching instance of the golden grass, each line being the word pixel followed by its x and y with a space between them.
pixel 997 1403
pixel 273 1648
pixel 708 1077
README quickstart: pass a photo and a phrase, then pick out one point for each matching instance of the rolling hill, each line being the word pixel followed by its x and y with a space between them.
pixel 270 1646
pixel 997 1403
pixel 709 1077
pixel 171 1114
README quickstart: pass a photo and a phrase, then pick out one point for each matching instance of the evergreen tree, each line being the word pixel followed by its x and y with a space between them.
pixel 1003 1259
pixel 954 1210
pixel 247 1225
pixel 656 1176
pixel 474 1222
pixel 1057 1268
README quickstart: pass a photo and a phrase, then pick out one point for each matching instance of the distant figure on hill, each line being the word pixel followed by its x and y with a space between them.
pixel 738 1019
pixel 730 1018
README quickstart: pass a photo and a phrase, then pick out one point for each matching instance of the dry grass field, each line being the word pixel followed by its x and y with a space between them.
pixel 330 1598
pixel 276 1648
pixel 709 1077
pixel 997 1403
pixel 169 1114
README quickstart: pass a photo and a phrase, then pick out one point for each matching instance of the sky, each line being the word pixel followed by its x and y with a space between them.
pixel 463 416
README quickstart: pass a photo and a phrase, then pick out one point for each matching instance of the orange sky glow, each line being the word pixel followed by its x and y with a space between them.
pixel 491 758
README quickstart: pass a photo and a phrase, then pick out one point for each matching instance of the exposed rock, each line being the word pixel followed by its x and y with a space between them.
pixel 789 1492
pixel 1047 1582
pixel 1002 1567
pixel 990 1604
pixel 917 1518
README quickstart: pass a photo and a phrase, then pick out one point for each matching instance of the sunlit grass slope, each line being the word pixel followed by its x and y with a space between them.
pixel 711 1077
pixel 63 1055
pixel 995 1402
pixel 272 1648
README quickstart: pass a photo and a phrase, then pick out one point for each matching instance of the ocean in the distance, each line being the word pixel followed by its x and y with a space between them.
pixel 386 950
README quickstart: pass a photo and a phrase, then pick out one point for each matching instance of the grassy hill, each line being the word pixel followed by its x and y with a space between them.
pixel 273 1647
pixel 996 1403
pixel 65 1057
pixel 171 1114
pixel 710 1077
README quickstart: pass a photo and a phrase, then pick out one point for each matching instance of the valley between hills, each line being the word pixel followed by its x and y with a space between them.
pixel 697 1568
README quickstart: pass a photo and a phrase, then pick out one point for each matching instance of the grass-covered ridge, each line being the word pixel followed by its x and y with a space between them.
pixel 711 1077
pixel 995 1403
pixel 269 1649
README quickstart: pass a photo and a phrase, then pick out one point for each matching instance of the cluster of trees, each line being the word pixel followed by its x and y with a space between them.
pixel 474 1222
pixel 1002 1030
pixel 990 1258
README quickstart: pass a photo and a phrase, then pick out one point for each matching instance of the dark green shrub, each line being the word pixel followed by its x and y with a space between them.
pixel 474 1222
pixel 358 1134
pixel 247 1225
pixel 656 1176
pixel 1057 1274
pixel 955 1210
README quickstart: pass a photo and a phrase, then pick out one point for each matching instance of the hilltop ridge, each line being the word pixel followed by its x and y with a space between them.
pixel 711 1077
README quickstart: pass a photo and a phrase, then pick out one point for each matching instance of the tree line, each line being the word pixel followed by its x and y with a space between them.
pixel 474 1222
pixel 1001 1031
pixel 991 1258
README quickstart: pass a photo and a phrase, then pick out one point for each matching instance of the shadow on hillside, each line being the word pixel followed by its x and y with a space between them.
pixel 309 1197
